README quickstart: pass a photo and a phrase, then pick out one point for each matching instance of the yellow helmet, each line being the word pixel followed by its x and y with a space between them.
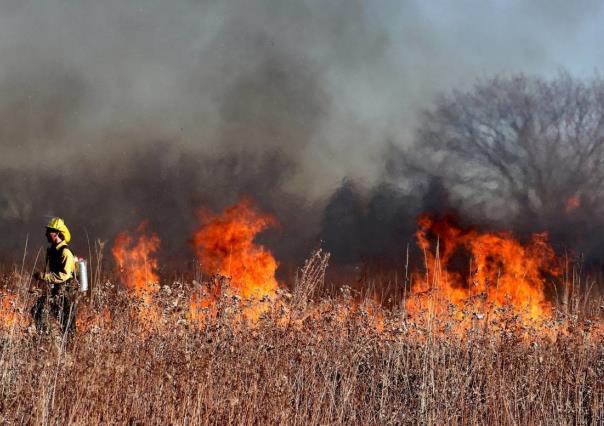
pixel 57 224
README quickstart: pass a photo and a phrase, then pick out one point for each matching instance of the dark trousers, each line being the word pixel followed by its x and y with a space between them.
pixel 59 303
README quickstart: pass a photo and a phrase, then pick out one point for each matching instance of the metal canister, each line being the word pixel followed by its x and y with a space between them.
pixel 82 272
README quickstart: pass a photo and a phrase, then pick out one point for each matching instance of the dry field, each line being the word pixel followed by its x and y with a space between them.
pixel 515 339
pixel 168 360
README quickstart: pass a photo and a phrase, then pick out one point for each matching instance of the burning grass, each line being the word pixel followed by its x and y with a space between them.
pixel 328 361
pixel 481 346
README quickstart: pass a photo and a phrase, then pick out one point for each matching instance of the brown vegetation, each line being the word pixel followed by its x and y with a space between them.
pixel 328 361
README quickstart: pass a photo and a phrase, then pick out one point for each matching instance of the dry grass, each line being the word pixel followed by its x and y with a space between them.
pixel 305 362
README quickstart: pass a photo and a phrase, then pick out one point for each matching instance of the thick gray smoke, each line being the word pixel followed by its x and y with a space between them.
pixel 116 111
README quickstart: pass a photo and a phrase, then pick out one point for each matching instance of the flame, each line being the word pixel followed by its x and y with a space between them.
pixel 224 244
pixel 138 266
pixel 10 316
pixel 87 321
pixel 204 301
pixel 504 275
pixel 135 259
pixel 572 203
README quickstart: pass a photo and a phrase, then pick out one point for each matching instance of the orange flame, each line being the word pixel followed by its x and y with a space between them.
pixel 572 203
pixel 225 245
pixel 87 321
pixel 135 259
pixel 503 274
pixel 9 314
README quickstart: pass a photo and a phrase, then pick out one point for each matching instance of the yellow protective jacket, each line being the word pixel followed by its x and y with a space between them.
pixel 60 264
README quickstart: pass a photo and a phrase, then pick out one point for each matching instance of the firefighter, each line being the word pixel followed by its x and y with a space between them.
pixel 58 297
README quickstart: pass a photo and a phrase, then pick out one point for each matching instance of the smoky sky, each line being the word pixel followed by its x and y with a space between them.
pixel 115 111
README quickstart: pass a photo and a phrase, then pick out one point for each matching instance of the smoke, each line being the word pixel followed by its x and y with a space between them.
pixel 111 112
pixel 376 226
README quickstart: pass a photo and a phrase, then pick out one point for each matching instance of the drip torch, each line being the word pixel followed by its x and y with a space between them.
pixel 82 273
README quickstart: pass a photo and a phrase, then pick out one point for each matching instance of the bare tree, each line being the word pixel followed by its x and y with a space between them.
pixel 527 146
